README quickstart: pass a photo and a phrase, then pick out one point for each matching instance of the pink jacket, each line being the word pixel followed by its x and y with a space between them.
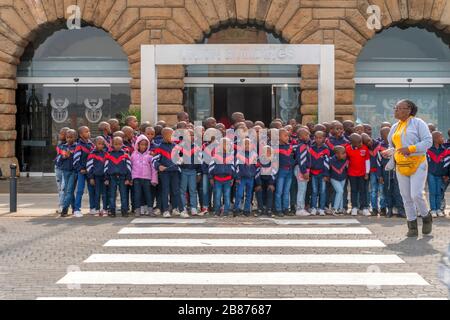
pixel 142 167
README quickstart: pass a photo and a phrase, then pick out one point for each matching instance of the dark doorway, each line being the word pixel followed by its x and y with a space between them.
pixel 255 101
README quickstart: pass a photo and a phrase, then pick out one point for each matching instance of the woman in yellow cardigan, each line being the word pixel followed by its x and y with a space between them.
pixel 409 140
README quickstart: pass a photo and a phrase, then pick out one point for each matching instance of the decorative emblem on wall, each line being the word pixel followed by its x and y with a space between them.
pixel 93 111
pixel 59 110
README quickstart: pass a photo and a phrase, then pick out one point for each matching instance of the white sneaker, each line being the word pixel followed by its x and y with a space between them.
pixel 314 212
pixel 167 214
pixel 93 212
pixel 366 213
pixel 440 214
pixel 137 213
pixel 78 214
pixel 176 213
pixel 194 212
pixel 354 212
pixel 184 214
pixel 322 213
pixel 302 213
pixel 433 214
pixel 394 210
pixel 157 212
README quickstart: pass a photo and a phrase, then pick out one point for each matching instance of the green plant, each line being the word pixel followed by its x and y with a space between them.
pixel 130 112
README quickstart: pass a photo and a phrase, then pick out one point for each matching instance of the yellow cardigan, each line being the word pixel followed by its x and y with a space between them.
pixel 406 165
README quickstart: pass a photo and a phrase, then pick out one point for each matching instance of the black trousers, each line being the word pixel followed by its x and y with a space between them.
pixel 359 190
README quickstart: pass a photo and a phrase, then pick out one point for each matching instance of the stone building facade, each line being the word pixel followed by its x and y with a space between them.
pixel 135 22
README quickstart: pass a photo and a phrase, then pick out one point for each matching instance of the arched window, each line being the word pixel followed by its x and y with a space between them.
pixel 411 63
pixel 67 78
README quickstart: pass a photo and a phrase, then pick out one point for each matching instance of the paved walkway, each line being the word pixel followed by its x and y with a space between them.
pixel 310 258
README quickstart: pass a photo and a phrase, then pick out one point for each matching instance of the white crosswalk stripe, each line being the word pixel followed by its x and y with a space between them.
pixel 246 231
pixel 324 255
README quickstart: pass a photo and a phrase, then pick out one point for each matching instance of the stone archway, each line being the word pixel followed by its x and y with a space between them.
pixel 22 22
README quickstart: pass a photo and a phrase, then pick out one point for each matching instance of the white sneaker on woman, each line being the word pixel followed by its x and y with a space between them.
pixel 167 215
pixel 366 213
pixel 184 214
pixel 354 211
pixel 313 211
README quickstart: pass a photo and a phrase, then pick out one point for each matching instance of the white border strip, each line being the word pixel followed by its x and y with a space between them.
pixel 231 298
pixel 311 221
pixel 246 278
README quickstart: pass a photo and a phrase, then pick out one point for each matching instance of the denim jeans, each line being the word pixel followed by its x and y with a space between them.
pixel 358 187
pixel 170 185
pixel 222 188
pixel 70 180
pixel 189 183
pixel 392 196
pixel 444 190
pixel 302 186
pixel 376 190
pixel 155 195
pixel 60 185
pixel 100 193
pixel 319 192
pixel 282 190
pixel 82 180
pixel 206 191
pixel 339 193
pixel 435 184
pixel 266 194
pixel 118 182
pixel 293 191
pixel 142 191
pixel 245 185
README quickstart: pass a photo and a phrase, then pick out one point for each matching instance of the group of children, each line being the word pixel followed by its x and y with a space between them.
pixel 309 171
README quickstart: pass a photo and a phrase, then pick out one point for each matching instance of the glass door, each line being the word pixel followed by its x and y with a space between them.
pixel 44 109
pixel 286 102
pixel 199 101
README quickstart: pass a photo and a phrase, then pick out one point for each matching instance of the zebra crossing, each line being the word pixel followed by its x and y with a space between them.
pixel 210 253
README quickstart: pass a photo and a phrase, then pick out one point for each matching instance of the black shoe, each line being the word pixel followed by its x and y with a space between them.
pixel 279 214
pixel 65 213
pixel 389 213
pixel 247 213
pixel 112 214
pixel 427 226
pixel 412 229
pixel 287 212
pixel 375 212
pixel 216 214
pixel 383 212
pixel 236 212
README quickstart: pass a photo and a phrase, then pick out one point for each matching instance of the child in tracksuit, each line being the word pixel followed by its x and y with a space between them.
pixel 169 175
pixel 338 177
pixel 190 174
pixel 286 163
pixel 246 161
pixel 82 151
pixel 358 174
pixel 58 171
pixel 208 149
pixel 221 173
pixel 96 175
pixel 388 179
pixel 65 162
pixel 375 186
pixel 265 182
pixel 437 172
pixel 118 175
pixel 302 169
pixel 320 166
pixel 336 138
pixel 144 175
